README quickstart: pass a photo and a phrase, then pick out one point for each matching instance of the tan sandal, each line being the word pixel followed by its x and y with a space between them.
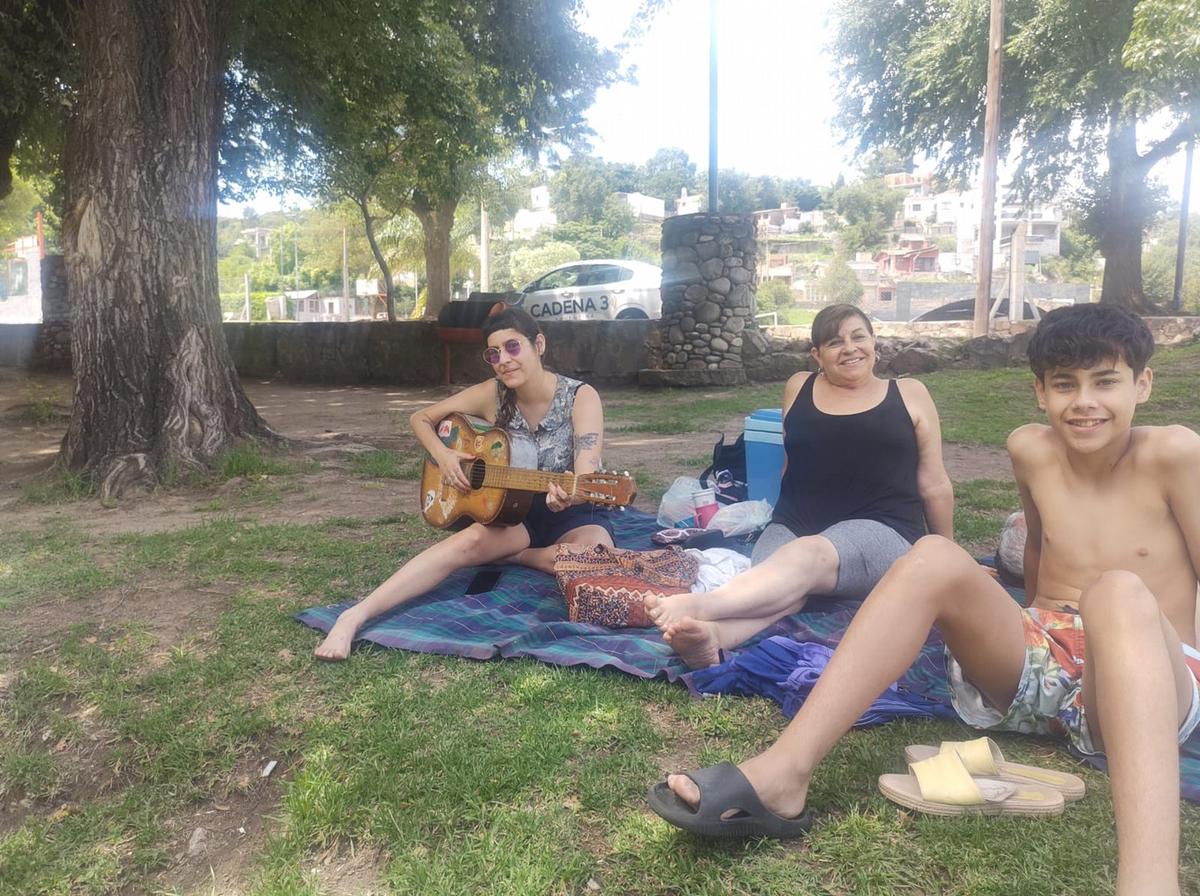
pixel 941 785
pixel 983 757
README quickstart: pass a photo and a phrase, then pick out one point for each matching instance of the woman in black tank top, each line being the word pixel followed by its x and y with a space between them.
pixel 863 480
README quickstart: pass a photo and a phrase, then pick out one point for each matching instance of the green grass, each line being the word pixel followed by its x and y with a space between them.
pixel 677 411
pixel 979 407
pixel 250 459
pixel 385 464
pixel 796 317
pixel 982 407
pixel 450 775
pixel 57 486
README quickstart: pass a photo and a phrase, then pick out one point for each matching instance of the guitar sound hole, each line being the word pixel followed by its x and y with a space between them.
pixel 476 473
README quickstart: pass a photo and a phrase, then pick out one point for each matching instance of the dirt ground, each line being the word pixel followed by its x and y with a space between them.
pixel 332 422
pixel 329 424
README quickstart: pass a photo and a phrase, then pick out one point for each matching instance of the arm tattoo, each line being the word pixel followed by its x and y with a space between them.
pixel 586 442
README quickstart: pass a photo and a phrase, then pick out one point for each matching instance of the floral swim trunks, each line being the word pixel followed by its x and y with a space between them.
pixel 1049 698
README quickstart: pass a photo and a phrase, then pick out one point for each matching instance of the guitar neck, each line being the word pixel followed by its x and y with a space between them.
pixel 496 476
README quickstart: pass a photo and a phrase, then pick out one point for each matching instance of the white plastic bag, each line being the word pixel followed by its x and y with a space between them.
pixel 741 518
pixel 676 507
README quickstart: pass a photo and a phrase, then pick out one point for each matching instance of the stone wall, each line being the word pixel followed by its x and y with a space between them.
pixel 708 264
pixel 409 352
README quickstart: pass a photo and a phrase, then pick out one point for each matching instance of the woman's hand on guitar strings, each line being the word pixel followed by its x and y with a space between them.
pixel 449 463
pixel 557 499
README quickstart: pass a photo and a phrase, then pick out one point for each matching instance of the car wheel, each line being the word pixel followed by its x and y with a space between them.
pixel 632 314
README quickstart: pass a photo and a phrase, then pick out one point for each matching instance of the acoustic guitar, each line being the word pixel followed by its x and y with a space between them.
pixel 504 478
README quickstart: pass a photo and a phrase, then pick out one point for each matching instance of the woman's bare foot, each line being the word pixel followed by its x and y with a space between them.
pixel 778 785
pixel 336 646
pixel 695 641
pixel 672 608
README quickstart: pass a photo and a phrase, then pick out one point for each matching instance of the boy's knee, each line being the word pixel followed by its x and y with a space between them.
pixel 1118 599
pixel 934 555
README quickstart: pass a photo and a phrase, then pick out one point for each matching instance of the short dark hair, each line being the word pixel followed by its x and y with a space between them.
pixel 829 319
pixel 1084 335
pixel 512 319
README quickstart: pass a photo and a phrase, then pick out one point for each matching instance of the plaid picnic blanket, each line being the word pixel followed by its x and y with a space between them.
pixel 524 615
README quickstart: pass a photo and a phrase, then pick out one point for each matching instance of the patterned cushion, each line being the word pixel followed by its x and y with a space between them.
pixel 608 586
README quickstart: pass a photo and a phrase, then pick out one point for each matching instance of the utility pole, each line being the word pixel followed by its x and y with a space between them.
pixel 712 107
pixel 1016 272
pixel 345 278
pixel 991 135
pixel 485 249
pixel 1181 246
pixel 246 283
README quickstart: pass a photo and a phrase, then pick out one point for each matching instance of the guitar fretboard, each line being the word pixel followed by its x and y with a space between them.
pixel 496 476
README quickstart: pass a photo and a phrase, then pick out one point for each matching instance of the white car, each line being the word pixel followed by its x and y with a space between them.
pixel 600 289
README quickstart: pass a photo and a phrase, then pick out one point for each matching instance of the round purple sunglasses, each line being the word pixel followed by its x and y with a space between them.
pixel 512 348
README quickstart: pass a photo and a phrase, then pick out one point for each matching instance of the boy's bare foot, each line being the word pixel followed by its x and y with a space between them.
pixel 336 646
pixel 671 609
pixel 777 785
pixel 695 641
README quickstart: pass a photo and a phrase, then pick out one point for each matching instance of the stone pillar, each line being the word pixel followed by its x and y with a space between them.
pixel 52 351
pixel 708 282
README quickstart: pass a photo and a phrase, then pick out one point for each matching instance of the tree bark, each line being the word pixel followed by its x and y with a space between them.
pixel 1125 217
pixel 389 286
pixel 437 220
pixel 155 386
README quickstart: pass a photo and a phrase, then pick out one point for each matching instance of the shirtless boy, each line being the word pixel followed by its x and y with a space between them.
pixel 1113 513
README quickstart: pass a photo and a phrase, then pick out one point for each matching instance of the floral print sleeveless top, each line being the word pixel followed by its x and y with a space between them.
pixel 554 437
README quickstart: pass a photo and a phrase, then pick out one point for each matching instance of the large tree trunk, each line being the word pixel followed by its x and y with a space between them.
pixel 389 286
pixel 154 382
pixel 1124 217
pixel 437 220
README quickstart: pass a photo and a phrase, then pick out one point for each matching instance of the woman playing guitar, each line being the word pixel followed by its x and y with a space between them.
pixel 564 419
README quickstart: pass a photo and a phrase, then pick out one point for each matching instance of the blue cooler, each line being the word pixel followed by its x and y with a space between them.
pixel 764 454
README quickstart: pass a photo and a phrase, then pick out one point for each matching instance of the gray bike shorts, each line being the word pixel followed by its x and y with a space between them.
pixel 865 549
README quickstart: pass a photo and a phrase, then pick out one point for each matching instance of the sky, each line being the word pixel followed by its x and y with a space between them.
pixel 776 94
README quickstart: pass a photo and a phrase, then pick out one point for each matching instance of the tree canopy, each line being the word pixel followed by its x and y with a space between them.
pixel 151 105
pixel 1082 80
pixel 410 120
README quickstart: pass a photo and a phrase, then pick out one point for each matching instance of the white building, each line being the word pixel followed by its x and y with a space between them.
pixel 539 216
pixel 259 238
pixel 956 213
pixel 21 281
pixel 645 208
pixel 789 220
pixel 687 204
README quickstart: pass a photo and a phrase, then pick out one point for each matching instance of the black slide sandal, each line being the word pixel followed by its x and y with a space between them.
pixel 724 787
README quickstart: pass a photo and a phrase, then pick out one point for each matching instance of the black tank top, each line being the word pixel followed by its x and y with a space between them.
pixel 850 467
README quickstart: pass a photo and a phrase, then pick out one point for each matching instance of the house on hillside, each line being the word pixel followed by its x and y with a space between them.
pixel 259 238
pixel 643 207
pixel 915 184
pixel 308 305
pixel 908 258
pixel 539 216
pixel 787 219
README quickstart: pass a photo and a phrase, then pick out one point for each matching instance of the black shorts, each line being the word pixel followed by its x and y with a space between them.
pixel 546 527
